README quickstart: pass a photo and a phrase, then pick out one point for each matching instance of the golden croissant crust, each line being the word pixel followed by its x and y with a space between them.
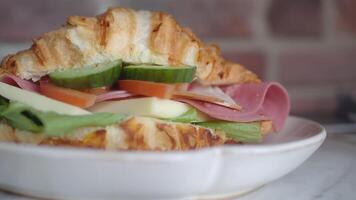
pixel 133 36
pixel 135 133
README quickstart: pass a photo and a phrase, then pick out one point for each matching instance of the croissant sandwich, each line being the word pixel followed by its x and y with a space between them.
pixel 133 80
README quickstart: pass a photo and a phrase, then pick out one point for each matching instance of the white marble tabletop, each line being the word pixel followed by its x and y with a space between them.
pixel 330 174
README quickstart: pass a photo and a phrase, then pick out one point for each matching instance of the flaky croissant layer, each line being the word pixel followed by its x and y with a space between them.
pixel 135 133
pixel 133 36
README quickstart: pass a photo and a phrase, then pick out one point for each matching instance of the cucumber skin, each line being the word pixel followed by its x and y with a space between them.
pixel 159 74
pixel 91 80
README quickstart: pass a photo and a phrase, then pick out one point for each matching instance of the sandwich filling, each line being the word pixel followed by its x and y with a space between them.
pixel 98 96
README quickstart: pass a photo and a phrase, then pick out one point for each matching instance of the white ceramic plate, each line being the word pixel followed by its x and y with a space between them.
pixel 62 173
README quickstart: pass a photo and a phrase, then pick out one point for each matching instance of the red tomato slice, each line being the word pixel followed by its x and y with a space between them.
pixel 146 88
pixel 70 96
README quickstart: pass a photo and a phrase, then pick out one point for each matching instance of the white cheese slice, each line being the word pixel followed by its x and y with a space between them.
pixel 147 106
pixel 38 101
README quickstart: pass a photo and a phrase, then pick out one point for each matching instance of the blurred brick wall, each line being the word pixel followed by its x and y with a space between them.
pixel 308 45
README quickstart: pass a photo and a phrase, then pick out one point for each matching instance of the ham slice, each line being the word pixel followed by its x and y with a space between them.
pixel 23 84
pixel 262 101
pixel 116 94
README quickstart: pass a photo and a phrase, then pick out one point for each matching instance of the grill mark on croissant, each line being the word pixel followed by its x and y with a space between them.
pixel 104 25
pixel 187 136
pixel 132 30
pixel 170 132
pixel 134 134
pixel 38 53
pixel 12 65
pixel 156 28
pixel 156 24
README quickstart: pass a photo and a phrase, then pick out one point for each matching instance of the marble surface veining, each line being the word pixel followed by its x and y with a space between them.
pixel 330 174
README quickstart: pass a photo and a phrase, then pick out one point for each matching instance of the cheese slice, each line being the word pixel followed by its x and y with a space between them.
pixel 38 101
pixel 147 106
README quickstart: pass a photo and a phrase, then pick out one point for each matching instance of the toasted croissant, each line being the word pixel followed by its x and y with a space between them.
pixel 133 36
pixel 135 133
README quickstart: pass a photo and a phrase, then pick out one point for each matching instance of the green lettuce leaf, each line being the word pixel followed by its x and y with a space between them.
pixel 24 117
pixel 239 131
pixel 4 103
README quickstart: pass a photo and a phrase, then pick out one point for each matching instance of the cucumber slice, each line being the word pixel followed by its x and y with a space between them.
pixel 162 74
pixel 98 75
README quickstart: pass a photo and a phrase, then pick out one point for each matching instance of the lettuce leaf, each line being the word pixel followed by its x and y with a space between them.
pixel 192 115
pixel 24 117
pixel 4 103
pixel 238 131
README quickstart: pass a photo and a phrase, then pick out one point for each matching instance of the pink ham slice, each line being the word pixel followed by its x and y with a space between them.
pixel 264 101
pixel 16 81
pixel 114 95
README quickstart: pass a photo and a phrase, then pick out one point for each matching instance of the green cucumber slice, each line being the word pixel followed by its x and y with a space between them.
pixel 94 76
pixel 162 74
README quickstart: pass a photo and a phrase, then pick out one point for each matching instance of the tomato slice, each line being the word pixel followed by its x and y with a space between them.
pixel 70 96
pixel 146 88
